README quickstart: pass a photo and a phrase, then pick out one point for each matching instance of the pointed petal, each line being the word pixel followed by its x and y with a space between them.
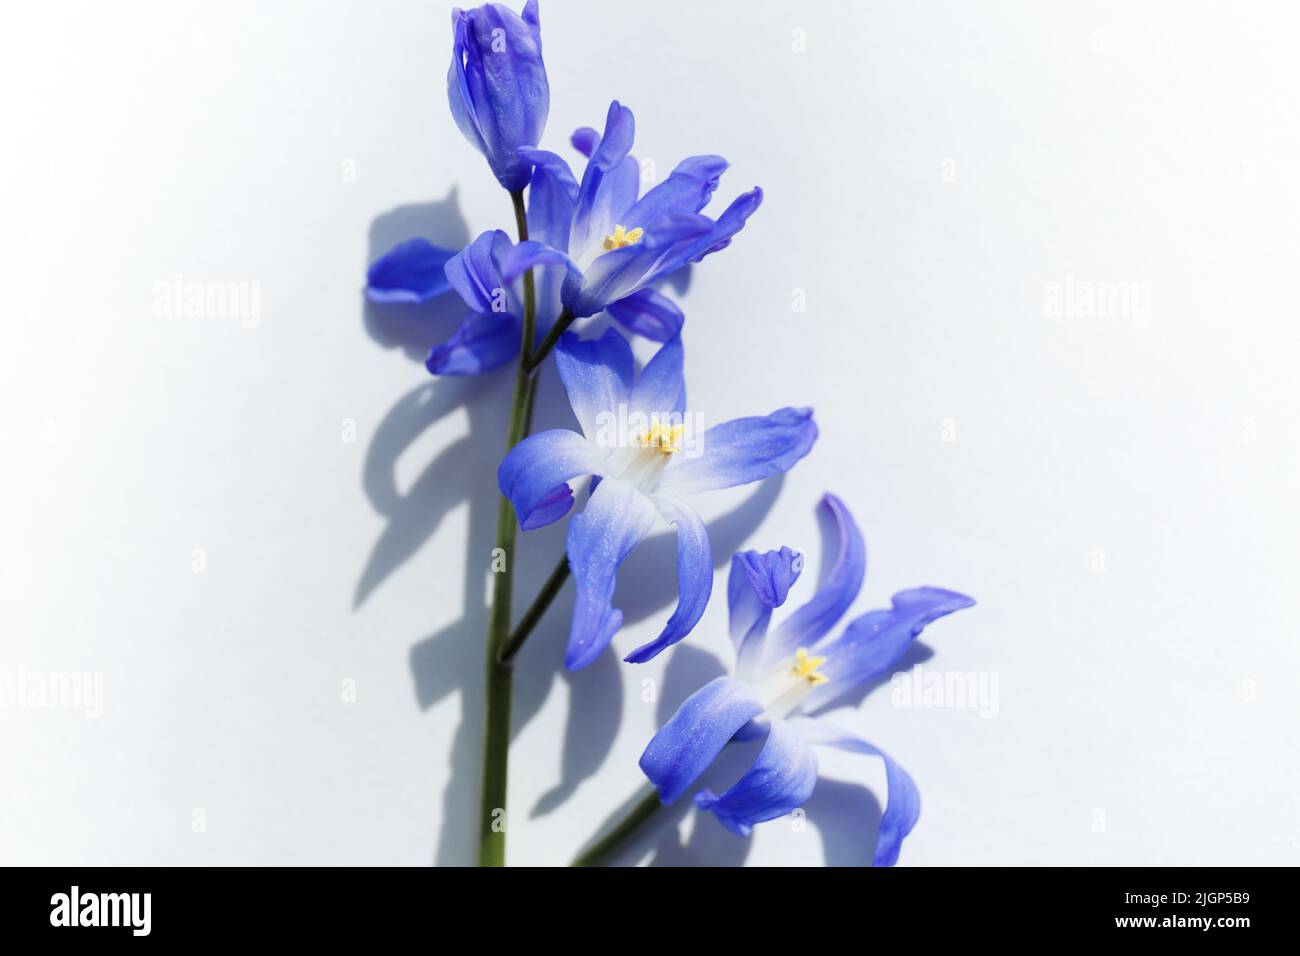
pixel 694 578
pixel 743 450
pixel 871 644
pixel 695 735
pixel 597 377
pixel 806 626
pixel 687 189
pixel 903 806
pixel 660 389
pixel 609 184
pixel 614 522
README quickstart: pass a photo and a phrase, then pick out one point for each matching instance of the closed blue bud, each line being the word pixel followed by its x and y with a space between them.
pixel 497 85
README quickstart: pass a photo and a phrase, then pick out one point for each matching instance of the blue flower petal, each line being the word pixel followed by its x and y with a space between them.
pixel 687 189
pixel 758 583
pixel 660 391
pixel 781 779
pixel 497 85
pixel 686 745
pixel 483 342
pixel 806 626
pixel 552 197
pixel 615 520
pixel 903 805
pixel 475 274
pixel 618 273
pixel 597 377
pixel 411 271
pixel 585 140
pixel 743 450
pixel 648 313
pixel 729 223
pixel 694 578
pixel 536 472
pixel 871 644
pixel 609 184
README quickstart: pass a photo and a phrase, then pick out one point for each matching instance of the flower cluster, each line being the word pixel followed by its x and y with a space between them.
pixel 594 244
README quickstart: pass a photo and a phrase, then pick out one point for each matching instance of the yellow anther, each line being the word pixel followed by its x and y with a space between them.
pixel 663 438
pixel 806 667
pixel 622 238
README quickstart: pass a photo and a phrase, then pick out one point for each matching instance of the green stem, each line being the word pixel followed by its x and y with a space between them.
pixel 534 613
pixel 640 814
pixel 561 325
pixel 497 693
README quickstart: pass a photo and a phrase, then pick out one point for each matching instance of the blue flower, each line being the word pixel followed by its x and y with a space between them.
pixel 781 678
pixel 612 244
pixel 497 85
pixel 647 458
pixel 481 274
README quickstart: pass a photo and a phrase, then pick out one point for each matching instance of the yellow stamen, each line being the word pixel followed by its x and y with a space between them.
pixel 806 667
pixel 663 438
pixel 622 238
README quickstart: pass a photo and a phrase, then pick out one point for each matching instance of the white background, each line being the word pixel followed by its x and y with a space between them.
pixel 1120 495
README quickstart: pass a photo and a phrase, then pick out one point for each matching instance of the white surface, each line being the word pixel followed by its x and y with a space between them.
pixel 1147 713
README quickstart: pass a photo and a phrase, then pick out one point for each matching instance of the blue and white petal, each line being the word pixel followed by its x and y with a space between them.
pixel 759 583
pixel 810 623
pixel 597 376
pixel 411 271
pixel 694 577
pixel 872 643
pixel 903 806
pixel 743 450
pixel 618 273
pixel 695 735
pixel 687 189
pixel 536 472
pixel 660 391
pixel 615 521
pixel 609 184
pixel 781 779
pixel 483 342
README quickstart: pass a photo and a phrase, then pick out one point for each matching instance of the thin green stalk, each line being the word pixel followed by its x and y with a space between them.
pixel 534 613
pixel 497 693
pixel 645 810
pixel 561 325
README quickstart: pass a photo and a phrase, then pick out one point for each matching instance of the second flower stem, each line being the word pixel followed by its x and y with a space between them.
pixel 535 611
pixel 641 813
